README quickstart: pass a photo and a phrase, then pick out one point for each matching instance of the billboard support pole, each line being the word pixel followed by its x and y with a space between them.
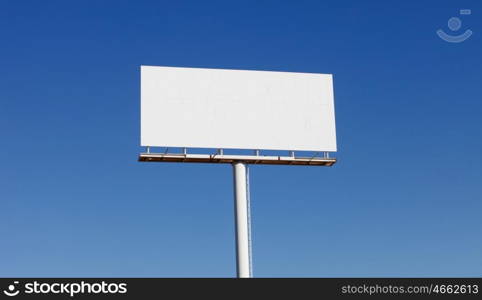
pixel 242 220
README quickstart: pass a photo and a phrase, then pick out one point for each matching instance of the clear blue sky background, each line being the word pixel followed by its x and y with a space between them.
pixel 405 198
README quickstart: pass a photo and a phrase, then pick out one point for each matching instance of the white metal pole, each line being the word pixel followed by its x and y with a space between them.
pixel 243 262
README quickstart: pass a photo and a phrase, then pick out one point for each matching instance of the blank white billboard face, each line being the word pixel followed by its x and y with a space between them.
pixel 237 109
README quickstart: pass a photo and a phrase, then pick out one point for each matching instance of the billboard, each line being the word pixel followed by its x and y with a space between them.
pixel 237 109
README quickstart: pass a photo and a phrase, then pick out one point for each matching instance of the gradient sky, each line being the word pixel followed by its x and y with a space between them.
pixel 405 198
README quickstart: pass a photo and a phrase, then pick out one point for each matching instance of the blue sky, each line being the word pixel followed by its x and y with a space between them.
pixel 405 198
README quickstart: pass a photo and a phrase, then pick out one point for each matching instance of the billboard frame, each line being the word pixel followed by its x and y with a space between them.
pixel 241 173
